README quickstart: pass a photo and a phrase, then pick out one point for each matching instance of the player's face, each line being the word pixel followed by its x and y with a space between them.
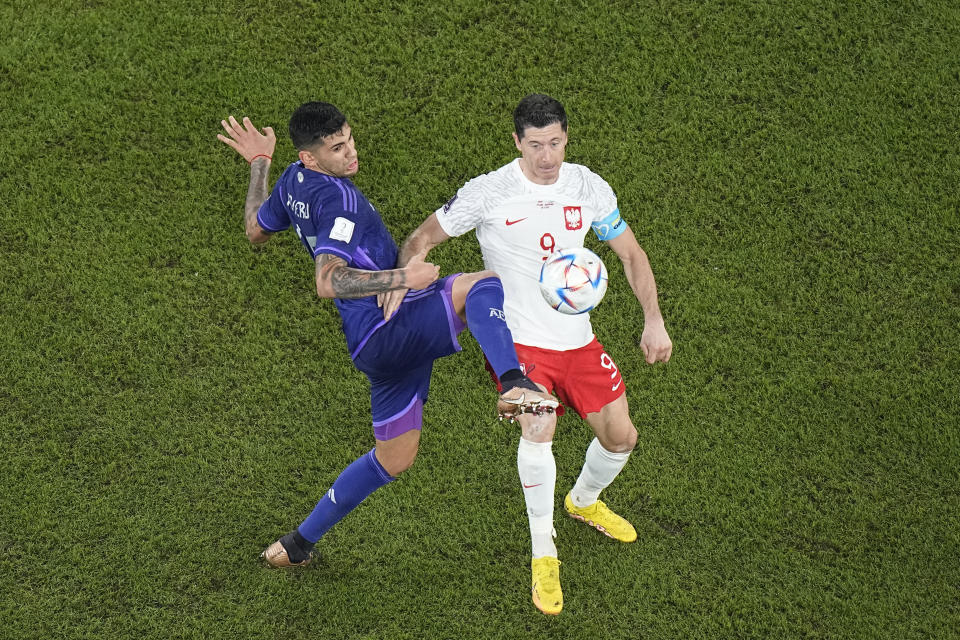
pixel 335 155
pixel 541 152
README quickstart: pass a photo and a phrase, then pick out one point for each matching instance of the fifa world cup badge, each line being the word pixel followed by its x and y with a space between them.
pixel 572 218
pixel 446 207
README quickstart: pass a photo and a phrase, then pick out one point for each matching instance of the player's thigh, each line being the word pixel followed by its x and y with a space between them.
pixel 397 399
pixel 543 366
pixel 613 426
pixel 424 329
pixel 590 379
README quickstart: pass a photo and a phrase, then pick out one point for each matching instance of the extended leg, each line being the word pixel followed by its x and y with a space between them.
pixel 478 298
pixel 362 477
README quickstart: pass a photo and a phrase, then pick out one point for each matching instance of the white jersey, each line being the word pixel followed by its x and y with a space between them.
pixel 519 224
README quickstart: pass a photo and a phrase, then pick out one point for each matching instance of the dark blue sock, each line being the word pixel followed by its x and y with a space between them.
pixel 488 325
pixel 361 478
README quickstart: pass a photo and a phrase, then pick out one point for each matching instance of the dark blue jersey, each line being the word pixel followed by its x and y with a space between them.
pixel 330 215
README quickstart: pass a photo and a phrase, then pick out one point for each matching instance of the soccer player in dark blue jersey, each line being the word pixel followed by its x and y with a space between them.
pixel 355 263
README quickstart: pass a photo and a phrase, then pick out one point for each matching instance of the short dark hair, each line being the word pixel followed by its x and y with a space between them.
pixel 313 121
pixel 538 111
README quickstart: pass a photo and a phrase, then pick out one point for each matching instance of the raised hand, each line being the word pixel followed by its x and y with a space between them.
pixel 246 140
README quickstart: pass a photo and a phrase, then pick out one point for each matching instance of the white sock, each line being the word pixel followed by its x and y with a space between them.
pixel 538 477
pixel 599 469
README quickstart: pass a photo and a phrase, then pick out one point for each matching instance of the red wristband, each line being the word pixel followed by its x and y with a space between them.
pixel 260 155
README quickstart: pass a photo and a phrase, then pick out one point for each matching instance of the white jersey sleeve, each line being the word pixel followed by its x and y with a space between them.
pixel 600 193
pixel 464 211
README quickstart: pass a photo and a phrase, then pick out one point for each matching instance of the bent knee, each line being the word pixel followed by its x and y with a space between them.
pixel 475 277
pixel 398 464
pixel 398 454
pixel 487 273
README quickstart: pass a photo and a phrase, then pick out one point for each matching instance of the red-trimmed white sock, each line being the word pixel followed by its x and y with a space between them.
pixel 538 477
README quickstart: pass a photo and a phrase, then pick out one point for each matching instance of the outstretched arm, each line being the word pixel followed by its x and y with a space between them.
pixel 257 149
pixel 655 342
pixel 336 280
pixel 425 237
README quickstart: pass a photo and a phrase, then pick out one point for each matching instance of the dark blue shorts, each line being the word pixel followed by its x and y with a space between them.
pixel 398 357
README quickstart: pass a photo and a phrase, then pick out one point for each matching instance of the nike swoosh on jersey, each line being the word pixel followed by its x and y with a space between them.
pixel 510 222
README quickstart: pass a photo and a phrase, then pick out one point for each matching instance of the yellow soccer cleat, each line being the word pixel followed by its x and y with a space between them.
pixel 600 517
pixel 547 595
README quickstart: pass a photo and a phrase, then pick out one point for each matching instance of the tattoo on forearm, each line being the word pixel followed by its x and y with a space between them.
pixel 257 193
pixel 355 283
pixel 351 283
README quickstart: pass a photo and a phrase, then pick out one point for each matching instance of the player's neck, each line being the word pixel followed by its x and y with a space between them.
pixel 317 169
pixel 533 177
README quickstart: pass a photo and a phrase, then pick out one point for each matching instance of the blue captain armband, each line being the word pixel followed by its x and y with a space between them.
pixel 610 227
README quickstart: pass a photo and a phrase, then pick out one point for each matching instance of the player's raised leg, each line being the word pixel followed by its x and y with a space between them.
pixel 605 458
pixel 478 299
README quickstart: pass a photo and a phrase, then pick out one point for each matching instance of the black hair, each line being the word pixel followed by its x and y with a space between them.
pixel 313 121
pixel 538 111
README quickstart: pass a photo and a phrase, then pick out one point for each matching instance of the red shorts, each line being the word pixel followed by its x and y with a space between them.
pixel 584 379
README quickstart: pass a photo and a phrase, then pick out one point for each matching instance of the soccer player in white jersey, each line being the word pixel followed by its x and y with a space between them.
pixel 521 213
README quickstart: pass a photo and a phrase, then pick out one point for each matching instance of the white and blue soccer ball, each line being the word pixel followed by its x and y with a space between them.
pixel 573 280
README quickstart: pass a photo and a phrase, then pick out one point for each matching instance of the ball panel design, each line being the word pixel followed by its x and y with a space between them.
pixel 573 281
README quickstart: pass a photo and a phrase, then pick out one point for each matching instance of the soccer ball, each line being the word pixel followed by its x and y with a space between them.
pixel 573 280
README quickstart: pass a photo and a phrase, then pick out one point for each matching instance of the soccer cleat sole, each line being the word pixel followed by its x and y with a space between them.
pixel 527 402
pixel 598 527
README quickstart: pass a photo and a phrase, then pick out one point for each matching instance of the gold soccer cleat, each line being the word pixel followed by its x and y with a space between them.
pixel 276 556
pixel 519 400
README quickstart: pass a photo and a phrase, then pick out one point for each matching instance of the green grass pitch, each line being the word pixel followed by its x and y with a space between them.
pixel 172 400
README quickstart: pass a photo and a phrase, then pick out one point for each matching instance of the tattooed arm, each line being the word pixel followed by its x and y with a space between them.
pixel 257 149
pixel 336 280
pixel 256 196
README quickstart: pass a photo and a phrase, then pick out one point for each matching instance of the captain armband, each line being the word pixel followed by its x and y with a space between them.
pixel 610 227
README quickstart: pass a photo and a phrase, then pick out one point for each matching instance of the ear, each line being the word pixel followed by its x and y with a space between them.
pixel 308 160
pixel 516 141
